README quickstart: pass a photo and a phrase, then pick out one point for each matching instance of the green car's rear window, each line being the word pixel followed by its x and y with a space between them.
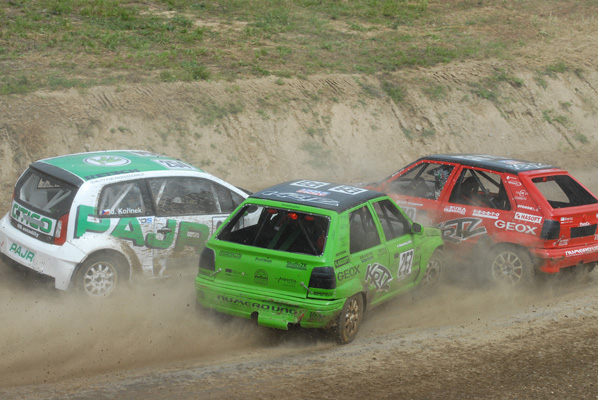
pixel 277 229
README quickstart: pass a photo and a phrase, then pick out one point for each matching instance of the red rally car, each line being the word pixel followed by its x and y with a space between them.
pixel 510 217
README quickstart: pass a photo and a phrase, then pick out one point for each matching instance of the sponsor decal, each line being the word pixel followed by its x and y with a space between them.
pixel 146 220
pixel 342 261
pixel 22 252
pixel 513 182
pixel 234 272
pixel 107 161
pixel 34 221
pixel 454 209
pixel 584 224
pixel 579 252
pixel 286 281
pixel 565 242
pixel 405 263
pixel 458 230
pixel 310 184
pixel 351 190
pixel 229 254
pixel 410 211
pixel 566 219
pixel 257 306
pixel 313 192
pixel 512 226
pixel 296 265
pixel 174 164
pixel 486 214
pixel 527 207
pixel 379 276
pixel 521 194
pixel 111 173
pixel 260 277
pixel 409 203
pixel 348 273
pixel 316 315
pixel 262 259
pixel 188 234
pixel 366 257
pixel 534 219
pixel 404 243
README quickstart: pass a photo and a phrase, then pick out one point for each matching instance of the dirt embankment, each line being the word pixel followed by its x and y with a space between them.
pixel 256 133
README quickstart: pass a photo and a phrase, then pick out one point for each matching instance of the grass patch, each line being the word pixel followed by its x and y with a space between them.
pixel 61 44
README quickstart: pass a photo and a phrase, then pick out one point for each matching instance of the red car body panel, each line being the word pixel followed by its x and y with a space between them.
pixel 508 207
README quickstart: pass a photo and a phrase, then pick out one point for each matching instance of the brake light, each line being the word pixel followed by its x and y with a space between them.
pixel 207 259
pixel 322 278
pixel 60 231
pixel 550 230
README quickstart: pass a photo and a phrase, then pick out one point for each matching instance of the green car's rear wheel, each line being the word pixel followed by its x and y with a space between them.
pixel 350 319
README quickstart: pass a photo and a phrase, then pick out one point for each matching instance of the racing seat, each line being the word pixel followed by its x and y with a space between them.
pixel 468 192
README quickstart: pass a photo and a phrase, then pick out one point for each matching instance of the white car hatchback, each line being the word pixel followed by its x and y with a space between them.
pixel 95 220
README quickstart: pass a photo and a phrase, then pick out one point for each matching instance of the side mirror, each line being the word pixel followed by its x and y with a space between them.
pixel 416 228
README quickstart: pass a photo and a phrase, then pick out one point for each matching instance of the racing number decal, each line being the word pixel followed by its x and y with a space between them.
pixel 410 211
pixel 405 264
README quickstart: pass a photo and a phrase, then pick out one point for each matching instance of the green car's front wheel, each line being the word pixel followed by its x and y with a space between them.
pixel 350 319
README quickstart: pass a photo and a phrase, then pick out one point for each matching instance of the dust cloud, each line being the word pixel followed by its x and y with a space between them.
pixel 50 336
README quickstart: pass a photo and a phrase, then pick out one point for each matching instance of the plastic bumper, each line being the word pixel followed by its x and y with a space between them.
pixel 273 312
pixel 553 260
pixel 58 262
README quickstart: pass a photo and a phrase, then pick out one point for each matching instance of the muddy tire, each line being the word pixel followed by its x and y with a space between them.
pixel 350 319
pixel 101 275
pixel 510 266
pixel 434 273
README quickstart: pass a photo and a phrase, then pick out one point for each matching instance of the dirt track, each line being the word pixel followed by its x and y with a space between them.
pixel 465 342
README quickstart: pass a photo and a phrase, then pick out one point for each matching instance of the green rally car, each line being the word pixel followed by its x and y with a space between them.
pixel 315 254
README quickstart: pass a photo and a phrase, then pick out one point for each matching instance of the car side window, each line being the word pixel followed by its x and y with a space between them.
pixel 228 199
pixel 481 189
pixel 362 230
pixel 124 199
pixel 393 222
pixel 424 181
pixel 184 196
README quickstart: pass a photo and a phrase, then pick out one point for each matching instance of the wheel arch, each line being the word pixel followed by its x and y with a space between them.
pixel 128 261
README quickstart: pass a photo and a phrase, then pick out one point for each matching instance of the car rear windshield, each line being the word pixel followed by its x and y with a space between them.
pixel 277 229
pixel 45 194
pixel 563 191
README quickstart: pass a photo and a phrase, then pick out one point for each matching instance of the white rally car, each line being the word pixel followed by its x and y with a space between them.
pixel 95 220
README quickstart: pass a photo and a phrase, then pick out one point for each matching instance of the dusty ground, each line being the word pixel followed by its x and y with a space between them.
pixel 466 342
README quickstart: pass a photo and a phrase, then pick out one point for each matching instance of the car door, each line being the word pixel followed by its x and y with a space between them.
pixel 124 212
pixel 188 210
pixel 477 207
pixel 420 189
pixel 369 255
pixel 400 243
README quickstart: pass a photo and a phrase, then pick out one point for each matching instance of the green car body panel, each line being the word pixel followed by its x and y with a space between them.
pixel 304 271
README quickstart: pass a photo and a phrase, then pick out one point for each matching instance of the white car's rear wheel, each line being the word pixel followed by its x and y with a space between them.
pixel 100 276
